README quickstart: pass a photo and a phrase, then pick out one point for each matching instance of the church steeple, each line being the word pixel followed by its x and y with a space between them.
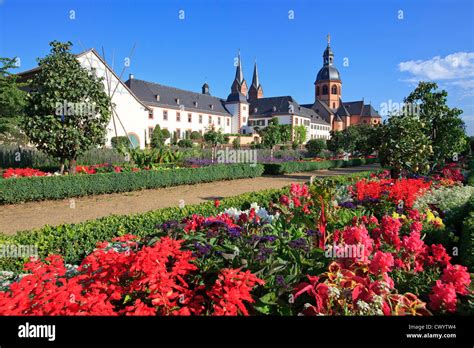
pixel 328 55
pixel 256 90
pixel 239 85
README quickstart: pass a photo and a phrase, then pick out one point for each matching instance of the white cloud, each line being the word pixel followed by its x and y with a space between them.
pixel 458 65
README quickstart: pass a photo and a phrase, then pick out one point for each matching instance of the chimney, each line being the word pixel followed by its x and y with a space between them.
pixel 131 77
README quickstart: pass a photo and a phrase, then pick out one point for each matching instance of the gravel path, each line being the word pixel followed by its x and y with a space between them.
pixel 18 217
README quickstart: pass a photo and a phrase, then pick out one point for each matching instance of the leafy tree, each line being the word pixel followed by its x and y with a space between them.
pixel 68 110
pixel 196 136
pixel 119 142
pixel 187 143
pixel 236 143
pixel 315 146
pixel 300 134
pixel 336 142
pixel 405 145
pixel 12 98
pixel 214 138
pixel 444 126
pixel 159 137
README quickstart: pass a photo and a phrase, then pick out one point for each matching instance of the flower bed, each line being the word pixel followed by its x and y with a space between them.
pixel 302 254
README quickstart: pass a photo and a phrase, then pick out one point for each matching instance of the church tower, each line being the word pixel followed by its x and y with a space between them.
pixel 237 103
pixel 256 90
pixel 328 84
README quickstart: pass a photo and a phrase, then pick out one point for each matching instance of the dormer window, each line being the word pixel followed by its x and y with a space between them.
pixel 211 106
pixel 274 108
pixel 157 97
pixel 255 110
pixel 195 104
pixel 177 100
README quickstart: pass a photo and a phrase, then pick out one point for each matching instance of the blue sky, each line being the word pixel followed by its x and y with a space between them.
pixel 387 50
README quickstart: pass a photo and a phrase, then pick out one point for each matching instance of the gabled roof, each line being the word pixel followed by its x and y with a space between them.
pixel 342 111
pixel 355 107
pixel 174 98
pixel 368 110
pixel 30 73
pixel 283 105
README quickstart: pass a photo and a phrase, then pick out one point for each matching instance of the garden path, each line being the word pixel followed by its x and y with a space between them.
pixel 29 215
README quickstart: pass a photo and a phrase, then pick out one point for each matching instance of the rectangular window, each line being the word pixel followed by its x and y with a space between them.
pixel 244 120
pixel 190 118
pixel 150 115
pixel 150 133
pixel 178 133
pixel 165 115
pixel 200 118
pixel 228 121
pixel 178 117
pixel 210 119
pixel 219 121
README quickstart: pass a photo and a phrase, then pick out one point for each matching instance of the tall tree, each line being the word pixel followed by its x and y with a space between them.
pixel 67 110
pixel 12 98
pixel 444 126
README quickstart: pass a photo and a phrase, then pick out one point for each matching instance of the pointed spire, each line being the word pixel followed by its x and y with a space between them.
pixel 255 80
pixel 239 74
pixel 329 39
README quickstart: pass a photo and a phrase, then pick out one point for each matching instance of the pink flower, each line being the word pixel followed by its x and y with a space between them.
pixel 457 276
pixel 443 296
pixel 284 200
pixel 381 263
pixel 440 255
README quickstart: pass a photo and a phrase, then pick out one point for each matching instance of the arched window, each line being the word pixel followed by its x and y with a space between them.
pixel 325 90
pixel 333 105
pixel 317 90
pixel 135 141
pixel 334 89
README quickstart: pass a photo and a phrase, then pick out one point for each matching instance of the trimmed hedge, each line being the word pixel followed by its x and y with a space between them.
pixel 74 241
pixel 17 190
pixel 303 166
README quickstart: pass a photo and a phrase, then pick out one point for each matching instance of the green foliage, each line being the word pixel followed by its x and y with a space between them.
pixel 236 143
pixel 68 110
pixel 213 137
pixel 303 166
pixel 274 134
pixel 315 146
pixel 22 157
pixel 195 135
pixel 159 137
pixel 364 139
pixel 185 143
pixel 444 126
pixel 12 98
pixel 466 243
pixel 405 145
pixel 120 141
pixel 17 190
pixel 300 134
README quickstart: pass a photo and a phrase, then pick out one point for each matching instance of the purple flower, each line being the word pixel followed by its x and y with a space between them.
pixel 349 205
pixel 280 281
pixel 270 239
pixel 264 253
pixel 235 232
pixel 299 243
pixel 202 249
pixel 312 233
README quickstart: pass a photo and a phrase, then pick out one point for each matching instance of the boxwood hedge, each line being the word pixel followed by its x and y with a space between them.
pixel 302 166
pixel 17 190
pixel 74 241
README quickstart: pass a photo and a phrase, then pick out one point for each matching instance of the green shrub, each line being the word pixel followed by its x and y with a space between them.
pixel 466 245
pixel 120 141
pixel 17 190
pixel 74 241
pixel 185 143
pixel 303 166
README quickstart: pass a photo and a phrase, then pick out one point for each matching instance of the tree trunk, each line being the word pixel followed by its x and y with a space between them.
pixel 395 173
pixel 72 166
pixel 61 170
